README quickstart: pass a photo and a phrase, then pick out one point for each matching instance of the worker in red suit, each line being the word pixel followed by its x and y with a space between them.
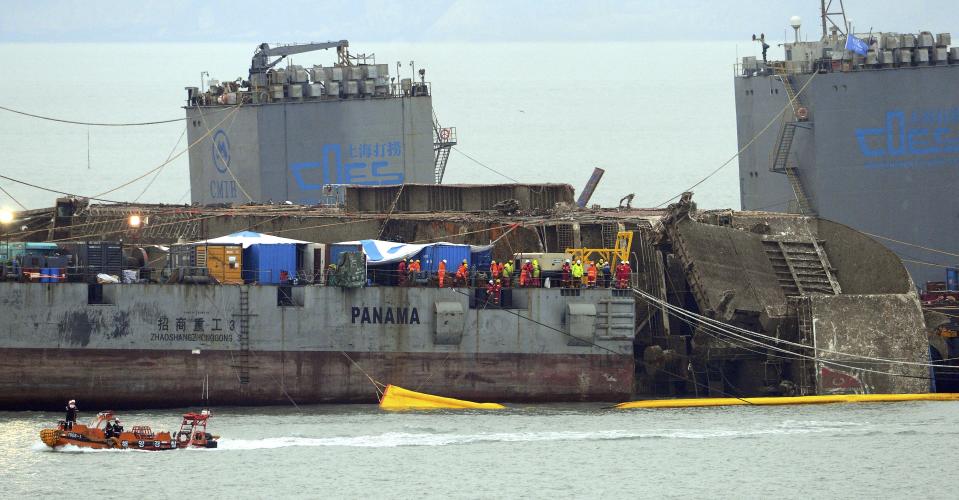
pixel 401 273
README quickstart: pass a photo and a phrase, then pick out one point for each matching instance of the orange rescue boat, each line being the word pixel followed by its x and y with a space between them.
pixel 192 434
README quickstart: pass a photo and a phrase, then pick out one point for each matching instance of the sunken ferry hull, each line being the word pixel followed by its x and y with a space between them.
pixel 148 346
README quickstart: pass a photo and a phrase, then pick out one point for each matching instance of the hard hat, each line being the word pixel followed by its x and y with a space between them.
pixel 72 401
pixel 567 261
pixel 490 282
pixel 493 262
pixel 527 261
pixel 497 281
pixel 444 261
pixel 464 261
pixel 579 261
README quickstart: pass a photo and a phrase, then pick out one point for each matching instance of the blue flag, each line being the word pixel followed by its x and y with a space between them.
pixel 856 45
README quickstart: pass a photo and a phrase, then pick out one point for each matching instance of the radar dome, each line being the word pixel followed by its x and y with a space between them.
pixel 795 22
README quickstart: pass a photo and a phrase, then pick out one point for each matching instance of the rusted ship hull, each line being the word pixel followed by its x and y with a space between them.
pixel 151 345
pixel 99 378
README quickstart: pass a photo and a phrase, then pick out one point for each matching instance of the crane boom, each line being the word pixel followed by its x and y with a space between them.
pixel 261 58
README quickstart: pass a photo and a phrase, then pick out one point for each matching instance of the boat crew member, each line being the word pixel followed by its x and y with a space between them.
pixel 566 273
pixel 117 428
pixel 506 269
pixel 606 273
pixel 71 417
pixel 535 267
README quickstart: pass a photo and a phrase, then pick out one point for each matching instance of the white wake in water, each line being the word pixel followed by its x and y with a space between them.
pixel 394 439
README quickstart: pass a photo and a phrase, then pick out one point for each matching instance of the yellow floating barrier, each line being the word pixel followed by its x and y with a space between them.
pixel 790 400
pixel 398 398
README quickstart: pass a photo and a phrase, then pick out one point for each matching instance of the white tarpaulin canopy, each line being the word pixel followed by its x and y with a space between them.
pixel 247 238
pixel 388 252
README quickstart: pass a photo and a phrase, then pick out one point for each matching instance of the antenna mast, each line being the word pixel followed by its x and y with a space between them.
pixel 825 6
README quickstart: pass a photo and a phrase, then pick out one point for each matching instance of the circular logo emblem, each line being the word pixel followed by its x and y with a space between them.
pixel 221 151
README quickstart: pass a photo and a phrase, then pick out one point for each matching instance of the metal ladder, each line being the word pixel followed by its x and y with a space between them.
pixel 790 90
pixel 244 318
pixel 801 267
pixel 443 140
pixel 781 163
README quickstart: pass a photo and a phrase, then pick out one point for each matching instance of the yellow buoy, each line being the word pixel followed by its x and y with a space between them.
pixel 398 398
pixel 792 400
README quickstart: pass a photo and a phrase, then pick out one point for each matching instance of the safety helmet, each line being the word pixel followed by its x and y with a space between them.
pixel 567 261
pixel 117 420
pixel 493 262
pixel 444 261
pixel 490 282
pixel 579 261
pixel 497 281
pixel 464 261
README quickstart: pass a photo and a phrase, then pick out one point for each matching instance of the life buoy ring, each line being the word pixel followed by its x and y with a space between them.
pixel 184 438
pixel 444 133
pixel 802 113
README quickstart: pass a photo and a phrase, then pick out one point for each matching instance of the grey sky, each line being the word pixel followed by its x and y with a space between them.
pixel 443 20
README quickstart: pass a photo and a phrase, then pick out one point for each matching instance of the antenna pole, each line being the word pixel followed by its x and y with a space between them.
pixel 822 14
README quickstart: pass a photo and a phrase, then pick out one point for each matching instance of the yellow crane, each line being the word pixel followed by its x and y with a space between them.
pixel 619 252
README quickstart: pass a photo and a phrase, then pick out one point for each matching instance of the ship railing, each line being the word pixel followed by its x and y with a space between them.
pixel 262 95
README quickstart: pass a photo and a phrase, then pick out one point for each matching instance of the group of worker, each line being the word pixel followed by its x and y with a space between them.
pixel 593 274
pixel 407 270
pixel 113 429
pixel 529 273
pixel 503 274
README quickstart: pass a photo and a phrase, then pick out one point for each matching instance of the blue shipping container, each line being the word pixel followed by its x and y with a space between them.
pixel 481 259
pixel 338 248
pixel 431 256
pixel 952 279
pixel 264 263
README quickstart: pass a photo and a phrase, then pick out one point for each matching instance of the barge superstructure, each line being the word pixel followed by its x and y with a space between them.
pixel 868 139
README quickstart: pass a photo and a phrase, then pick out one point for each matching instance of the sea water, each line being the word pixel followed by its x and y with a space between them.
pixel 545 451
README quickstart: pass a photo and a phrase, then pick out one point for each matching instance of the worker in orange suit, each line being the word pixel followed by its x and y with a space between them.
pixel 591 273
pixel 462 273
pixel 441 272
